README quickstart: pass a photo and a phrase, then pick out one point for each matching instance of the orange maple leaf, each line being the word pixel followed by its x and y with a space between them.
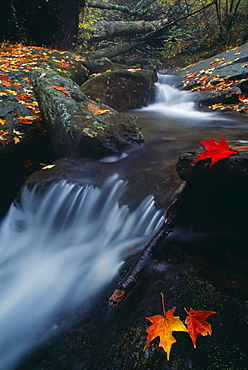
pixel 197 324
pixel 163 326
pixel 215 151
pixel 62 89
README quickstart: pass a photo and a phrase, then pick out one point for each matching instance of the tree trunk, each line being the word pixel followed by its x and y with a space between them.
pixel 52 23
pixel 108 6
pixel 113 50
pixel 104 30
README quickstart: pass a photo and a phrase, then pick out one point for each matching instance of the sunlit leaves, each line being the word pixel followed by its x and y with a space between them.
pixel 197 324
pixel 17 87
pixel 163 326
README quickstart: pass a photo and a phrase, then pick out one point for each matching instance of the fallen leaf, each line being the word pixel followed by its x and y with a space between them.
pixel 6 84
pixel 101 111
pixel 62 89
pixel 23 96
pixel 17 85
pixel 48 167
pixel 10 91
pixel 4 138
pixel 214 150
pixel 93 108
pixel 197 324
pixel 16 140
pixel 163 326
pixel 2 121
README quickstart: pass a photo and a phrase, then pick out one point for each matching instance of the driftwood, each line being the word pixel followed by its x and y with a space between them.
pixel 170 217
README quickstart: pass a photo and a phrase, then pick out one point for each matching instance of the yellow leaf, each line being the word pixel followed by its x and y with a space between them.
pixel 102 111
pixel 11 91
pixel 48 166
pixel 2 121
pixel 16 140
pixel 162 327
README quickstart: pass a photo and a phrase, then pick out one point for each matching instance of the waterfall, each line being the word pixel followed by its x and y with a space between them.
pixel 59 246
pixel 173 102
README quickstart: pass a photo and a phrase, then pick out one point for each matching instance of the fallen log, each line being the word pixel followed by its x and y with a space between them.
pixel 170 218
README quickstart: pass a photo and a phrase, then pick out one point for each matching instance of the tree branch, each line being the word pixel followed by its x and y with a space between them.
pixel 126 284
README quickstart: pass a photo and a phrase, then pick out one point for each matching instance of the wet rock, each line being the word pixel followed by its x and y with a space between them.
pixel 233 168
pixel 229 96
pixel 99 65
pixel 231 64
pixel 243 87
pixel 217 196
pixel 115 338
pixel 121 89
pixel 144 175
pixel 22 148
pixel 219 79
pixel 78 126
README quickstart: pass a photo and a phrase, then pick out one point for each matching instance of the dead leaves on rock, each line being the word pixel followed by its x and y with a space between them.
pixel 95 109
pixel 163 326
pixel 24 59
pixel 62 89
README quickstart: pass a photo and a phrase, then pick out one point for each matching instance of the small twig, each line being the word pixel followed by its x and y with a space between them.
pixel 127 283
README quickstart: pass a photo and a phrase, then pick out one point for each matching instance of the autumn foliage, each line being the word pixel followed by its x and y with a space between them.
pixel 214 150
pixel 163 326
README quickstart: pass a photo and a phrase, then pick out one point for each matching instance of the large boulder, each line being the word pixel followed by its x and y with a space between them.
pixel 122 89
pixel 99 65
pixel 78 126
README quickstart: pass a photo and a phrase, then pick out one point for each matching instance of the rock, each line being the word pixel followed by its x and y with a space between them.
pixel 147 64
pixel 231 63
pixel 140 169
pixel 243 87
pixel 233 168
pixel 219 79
pixel 78 126
pixel 115 338
pixel 217 195
pixel 99 65
pixel 121 89
pixel 75 71
pixel 22 148
pixel 209 97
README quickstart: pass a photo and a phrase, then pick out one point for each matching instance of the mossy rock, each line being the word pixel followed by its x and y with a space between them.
pixel 78 126
pixel 121 89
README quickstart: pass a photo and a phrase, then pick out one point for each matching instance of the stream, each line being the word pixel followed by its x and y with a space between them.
pixel 61 247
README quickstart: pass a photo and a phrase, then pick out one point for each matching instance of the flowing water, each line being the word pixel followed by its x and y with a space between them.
pixel 62 245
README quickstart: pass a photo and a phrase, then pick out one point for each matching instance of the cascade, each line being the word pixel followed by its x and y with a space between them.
pixel 171 101
pixel 62 244
pixel 59 247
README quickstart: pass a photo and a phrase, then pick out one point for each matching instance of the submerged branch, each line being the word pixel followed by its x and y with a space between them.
pixel 170 217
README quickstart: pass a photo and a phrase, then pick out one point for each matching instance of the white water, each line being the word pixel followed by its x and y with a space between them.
pixel 173 102
pixel 58 248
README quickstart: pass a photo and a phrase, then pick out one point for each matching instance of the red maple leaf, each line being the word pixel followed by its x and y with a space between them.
pixel 197 324
pixel 215 151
